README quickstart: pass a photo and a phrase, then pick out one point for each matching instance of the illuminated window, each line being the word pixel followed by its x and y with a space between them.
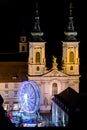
pixel 6 105
pixel 71 57
pixel 6 85
pixel 15 93
pixel 15 106
pixel 54 89
pixel 6 93
pixel 37 57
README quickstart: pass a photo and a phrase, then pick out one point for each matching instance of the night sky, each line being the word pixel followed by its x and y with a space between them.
pixel 15 14
pixel 18 14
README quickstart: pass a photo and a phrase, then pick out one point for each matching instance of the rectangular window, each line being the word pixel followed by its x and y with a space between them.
pixel 15 106
pixel 15 85
pixel 6 85
pixel 15 93
pixel 6 105
pixel 6 93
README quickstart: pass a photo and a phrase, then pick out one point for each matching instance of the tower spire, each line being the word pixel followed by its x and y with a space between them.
pixel 70 32
pixel 70 8
pixel 37 33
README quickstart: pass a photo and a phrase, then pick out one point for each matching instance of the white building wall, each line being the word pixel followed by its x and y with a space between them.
pixel 10 99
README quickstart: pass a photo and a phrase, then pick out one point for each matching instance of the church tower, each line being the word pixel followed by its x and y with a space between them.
pixel 23 44
pixel 70 54
pixel 36 60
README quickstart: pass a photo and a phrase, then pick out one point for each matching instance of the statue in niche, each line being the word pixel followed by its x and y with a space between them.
pixel 45 101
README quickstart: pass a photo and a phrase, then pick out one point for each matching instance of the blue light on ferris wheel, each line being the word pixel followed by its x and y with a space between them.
pixel 29 96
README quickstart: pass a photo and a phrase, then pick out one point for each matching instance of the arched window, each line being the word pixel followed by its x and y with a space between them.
pixel 23 39
pixel 71 67
pixel 23 48
pixel 54 89
pixel 38 68
pixel 37 57
pixel 71 57
pixel 45 101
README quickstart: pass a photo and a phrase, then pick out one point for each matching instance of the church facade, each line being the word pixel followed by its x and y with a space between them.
pixel 50 82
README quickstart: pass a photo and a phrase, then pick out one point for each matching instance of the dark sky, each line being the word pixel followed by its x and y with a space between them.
pixel 15 14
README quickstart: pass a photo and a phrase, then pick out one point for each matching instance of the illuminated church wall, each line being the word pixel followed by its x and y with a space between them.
pixel 46 85
pixel 70 57
pixel 36 60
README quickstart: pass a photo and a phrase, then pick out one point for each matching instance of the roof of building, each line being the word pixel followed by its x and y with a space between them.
pixel 69 97
pixel 13 71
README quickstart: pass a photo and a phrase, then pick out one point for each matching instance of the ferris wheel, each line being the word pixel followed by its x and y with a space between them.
pixel 29 96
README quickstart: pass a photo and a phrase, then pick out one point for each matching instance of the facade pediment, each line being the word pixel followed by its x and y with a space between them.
pixel 55 73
